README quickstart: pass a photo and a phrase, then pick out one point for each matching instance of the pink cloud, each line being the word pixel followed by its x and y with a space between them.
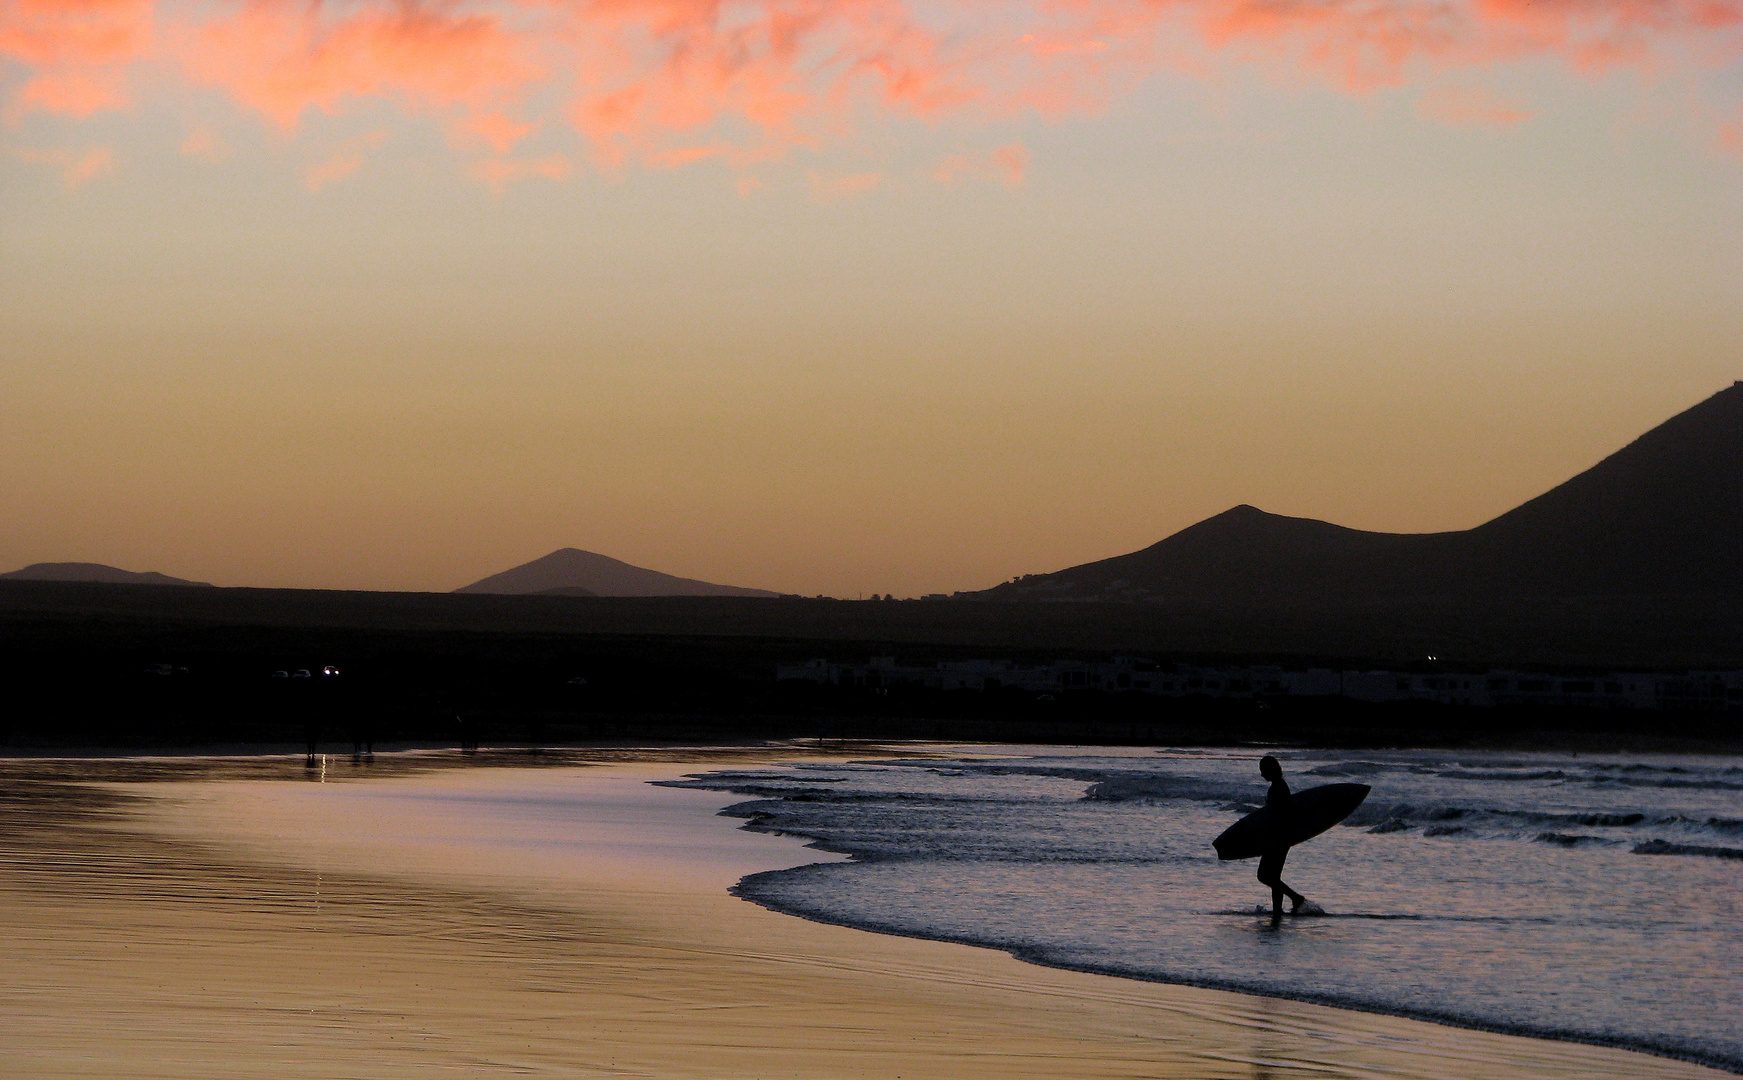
pixel 202 141
pixel 1012 162
pixel 343 162
pixel 662 83
pixel 1728 135
pixel 76 168
pixel 1007 165
pixel 77 52
pixel 286 60
pixel 500 132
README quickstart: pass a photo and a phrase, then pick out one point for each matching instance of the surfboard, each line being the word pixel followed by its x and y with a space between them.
pixel 1310 812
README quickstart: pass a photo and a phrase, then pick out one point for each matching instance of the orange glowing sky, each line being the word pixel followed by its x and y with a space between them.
pixel 834 296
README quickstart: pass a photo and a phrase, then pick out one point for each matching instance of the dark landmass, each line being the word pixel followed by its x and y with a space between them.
pixel 1662 516
pixel 128 666
pixel 1634 565
pixel 572 572
pixel 97 572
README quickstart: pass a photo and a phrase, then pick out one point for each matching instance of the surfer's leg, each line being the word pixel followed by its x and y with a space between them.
pixel 1295 898
pixel 1271 873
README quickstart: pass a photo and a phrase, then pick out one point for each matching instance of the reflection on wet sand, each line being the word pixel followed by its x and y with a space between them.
pixel 206 927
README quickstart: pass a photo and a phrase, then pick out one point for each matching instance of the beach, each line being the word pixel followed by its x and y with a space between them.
pixel 572 920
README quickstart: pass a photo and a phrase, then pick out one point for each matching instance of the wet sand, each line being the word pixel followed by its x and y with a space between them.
pixel 280 928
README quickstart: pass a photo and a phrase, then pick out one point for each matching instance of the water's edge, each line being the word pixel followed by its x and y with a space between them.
pixel 757 889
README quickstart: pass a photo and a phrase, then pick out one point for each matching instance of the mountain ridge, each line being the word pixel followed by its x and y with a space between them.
pixel 1663 514
pixel 573 572
pixel 95 572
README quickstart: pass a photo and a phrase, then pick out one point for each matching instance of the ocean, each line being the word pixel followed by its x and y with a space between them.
pixel 1584 897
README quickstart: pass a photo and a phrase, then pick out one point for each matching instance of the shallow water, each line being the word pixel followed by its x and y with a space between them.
pixel 565 922
pixel 1584 897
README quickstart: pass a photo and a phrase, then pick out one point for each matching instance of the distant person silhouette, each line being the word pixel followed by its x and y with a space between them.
pixel 1271 862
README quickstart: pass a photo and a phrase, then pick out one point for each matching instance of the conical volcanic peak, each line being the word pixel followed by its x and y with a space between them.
pixel 96 572
pixel 1663 515
pixel 573 572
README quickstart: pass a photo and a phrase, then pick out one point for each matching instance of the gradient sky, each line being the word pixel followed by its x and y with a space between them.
pixel 837 297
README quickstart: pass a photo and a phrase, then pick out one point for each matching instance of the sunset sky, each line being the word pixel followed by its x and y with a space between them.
pixel 837 297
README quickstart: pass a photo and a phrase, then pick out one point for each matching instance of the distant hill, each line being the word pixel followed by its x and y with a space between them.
pixel 90 571
pixel 572 572
pixel 1662 516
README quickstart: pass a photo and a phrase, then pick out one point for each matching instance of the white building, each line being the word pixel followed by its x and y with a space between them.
pixel 1705 690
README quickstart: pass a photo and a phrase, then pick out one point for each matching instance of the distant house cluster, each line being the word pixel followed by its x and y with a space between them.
pixel 1706 690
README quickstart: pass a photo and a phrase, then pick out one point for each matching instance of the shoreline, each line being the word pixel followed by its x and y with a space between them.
pixel 764 890
pixel 752 890
pixel 1546 739
pixel 1039 959
pixel 886 1005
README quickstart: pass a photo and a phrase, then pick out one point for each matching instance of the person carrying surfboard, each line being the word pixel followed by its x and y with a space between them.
pixel 1277 800
pixel 1286 820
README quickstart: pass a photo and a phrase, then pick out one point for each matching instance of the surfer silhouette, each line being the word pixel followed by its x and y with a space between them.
pixel 1277 800
pixel 1285 820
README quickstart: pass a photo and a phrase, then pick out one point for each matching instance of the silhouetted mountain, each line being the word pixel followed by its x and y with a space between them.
pixel 571 572
pixel 1663 515
pixel 90 571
